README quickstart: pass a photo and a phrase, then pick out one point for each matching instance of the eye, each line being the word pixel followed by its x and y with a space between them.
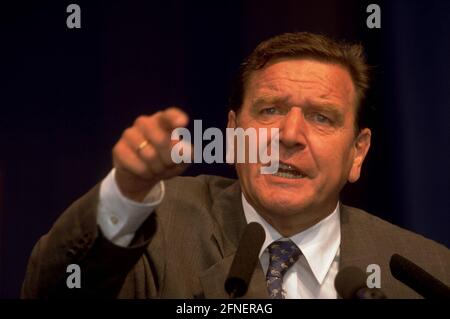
pixel 320 118
pixel 269 111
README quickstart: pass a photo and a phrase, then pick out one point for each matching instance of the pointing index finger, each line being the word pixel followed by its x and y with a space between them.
pixel 172 118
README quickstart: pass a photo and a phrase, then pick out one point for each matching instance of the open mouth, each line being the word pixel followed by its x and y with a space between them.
pixel 288 171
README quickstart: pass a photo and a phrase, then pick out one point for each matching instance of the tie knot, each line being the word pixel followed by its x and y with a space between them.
pixel 283 254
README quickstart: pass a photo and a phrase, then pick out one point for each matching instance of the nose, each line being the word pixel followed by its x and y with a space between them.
pixel 292 129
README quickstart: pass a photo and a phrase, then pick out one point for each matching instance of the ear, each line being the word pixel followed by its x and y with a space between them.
pixel 231 144
pixel 231 120
pixel 361 147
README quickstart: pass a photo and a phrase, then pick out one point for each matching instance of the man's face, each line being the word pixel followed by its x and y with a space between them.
pixel 313 105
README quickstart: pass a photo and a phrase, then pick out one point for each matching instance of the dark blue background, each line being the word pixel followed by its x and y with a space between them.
pixel 66 95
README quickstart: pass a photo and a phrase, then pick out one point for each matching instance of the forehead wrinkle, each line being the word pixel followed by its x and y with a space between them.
pixel 329 88
pixel 278 91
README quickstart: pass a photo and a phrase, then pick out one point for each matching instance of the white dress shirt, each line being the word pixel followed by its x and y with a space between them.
pixel 312 276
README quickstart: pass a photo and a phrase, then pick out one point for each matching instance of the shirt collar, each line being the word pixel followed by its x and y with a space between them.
pixel 319 243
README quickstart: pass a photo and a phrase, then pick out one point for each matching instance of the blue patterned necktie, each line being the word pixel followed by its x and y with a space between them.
pixel 283 254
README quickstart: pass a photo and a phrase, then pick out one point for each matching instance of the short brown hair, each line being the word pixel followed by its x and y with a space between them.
pixel 306 45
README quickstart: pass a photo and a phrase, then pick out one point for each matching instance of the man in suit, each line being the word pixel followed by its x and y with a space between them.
pixel 143 232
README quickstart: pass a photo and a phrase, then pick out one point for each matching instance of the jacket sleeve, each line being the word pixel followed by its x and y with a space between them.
pixel 75 238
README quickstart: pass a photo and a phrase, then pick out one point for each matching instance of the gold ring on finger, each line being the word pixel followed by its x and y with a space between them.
pixel 142 145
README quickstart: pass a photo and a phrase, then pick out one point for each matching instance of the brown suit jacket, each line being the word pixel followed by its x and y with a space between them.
pixel 185 248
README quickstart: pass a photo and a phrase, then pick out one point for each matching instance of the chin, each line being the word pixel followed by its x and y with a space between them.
pixel 284 204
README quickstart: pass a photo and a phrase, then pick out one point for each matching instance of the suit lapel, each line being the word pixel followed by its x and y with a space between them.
pixel 356 243
pixel 229 226
pixel 361 247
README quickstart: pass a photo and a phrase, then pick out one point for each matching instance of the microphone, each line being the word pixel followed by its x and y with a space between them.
pixel 417 279
pixel 245 260
pixel 351 283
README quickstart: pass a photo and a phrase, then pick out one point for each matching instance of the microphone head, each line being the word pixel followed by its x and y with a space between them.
pixel 348 281
pixel 417 279
pixel 402 268
pixel 351 283
pixel 245 260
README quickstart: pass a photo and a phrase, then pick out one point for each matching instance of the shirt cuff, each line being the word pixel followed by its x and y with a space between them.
pixel 119 217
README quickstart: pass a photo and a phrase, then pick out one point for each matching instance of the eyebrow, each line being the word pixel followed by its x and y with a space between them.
pixel 271 100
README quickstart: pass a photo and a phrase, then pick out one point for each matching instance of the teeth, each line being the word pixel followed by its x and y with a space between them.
pixel 285 166
pixel 288 175
pixel 288 171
